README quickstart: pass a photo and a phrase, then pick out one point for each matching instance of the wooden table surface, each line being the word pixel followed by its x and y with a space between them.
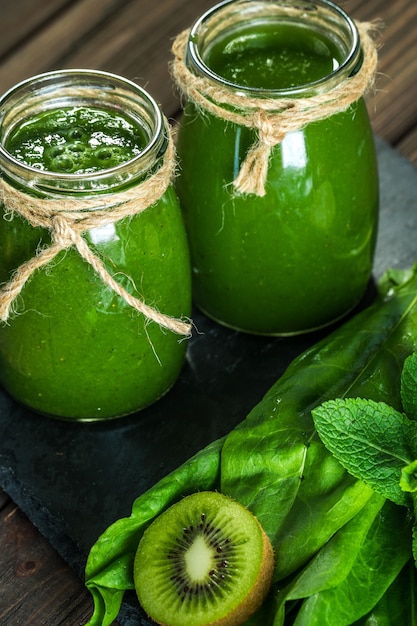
pixel 133 38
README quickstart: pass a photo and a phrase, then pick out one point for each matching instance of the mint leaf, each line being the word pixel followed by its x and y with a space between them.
pixel 409 386
pixel 372 441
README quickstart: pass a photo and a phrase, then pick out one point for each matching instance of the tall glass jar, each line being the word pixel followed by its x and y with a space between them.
pixel 278 174
pixel 94 261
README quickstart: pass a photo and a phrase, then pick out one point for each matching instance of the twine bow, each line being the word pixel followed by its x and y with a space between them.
pixel 271 118
pixel 67 220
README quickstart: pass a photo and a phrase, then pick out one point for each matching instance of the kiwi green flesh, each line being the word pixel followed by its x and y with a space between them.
pixel 204 561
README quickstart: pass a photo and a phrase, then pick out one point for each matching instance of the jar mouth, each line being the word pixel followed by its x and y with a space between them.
pixel 322 15
pixel 84 88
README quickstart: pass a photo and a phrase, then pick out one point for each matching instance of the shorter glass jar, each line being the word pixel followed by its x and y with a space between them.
pixel 299 257
pixel 72 348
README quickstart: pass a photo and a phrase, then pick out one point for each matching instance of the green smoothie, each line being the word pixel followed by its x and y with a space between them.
pixel 274 56
pixel 301 256
pixel 74 349
pixel 76 140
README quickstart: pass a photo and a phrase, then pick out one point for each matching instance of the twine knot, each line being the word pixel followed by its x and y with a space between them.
pixel 67 219
pixel 271 118
pixel 254 169
pixel 268 131
pixel 63 234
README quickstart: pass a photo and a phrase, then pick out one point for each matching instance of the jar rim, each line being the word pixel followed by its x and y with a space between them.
pixel 52 85
pixel 349 66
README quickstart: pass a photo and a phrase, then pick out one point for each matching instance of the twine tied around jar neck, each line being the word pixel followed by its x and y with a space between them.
pixel 271 118
pixel 68 219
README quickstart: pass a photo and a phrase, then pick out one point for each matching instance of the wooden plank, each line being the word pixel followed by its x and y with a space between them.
pixel 36 585
pixel 408 145
pixel 45 50
pixel 395 99
pixel 392 106
pixel 16 25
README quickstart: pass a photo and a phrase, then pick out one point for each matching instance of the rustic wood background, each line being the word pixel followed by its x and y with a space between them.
pixel 133 38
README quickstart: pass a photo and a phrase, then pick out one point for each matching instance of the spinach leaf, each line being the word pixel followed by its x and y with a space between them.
pixel 330 565
pixel 299 492
pixel 377 564
pixel 327 569
pixel 398 605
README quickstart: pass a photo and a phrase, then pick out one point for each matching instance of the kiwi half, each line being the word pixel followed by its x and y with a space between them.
pixel 205 561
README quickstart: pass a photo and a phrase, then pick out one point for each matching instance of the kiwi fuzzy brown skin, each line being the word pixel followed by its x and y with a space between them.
pixel 240 555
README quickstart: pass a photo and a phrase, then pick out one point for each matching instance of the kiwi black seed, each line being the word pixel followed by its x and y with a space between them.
pixel 205 561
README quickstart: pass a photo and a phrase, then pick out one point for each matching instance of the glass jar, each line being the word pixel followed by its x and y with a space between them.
pixel 294 253
pixel 93 246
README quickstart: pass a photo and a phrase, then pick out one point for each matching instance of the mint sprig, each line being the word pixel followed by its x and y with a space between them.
pixel 372 441
pixel 376 443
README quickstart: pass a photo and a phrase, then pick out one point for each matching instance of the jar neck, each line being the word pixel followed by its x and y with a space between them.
pixel 230 17
pixel 84 88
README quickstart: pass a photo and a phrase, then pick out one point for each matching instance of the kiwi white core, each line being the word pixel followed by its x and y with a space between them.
pixel 199 560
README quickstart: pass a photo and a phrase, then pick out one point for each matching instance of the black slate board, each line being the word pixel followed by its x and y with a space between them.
pixel 73 480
